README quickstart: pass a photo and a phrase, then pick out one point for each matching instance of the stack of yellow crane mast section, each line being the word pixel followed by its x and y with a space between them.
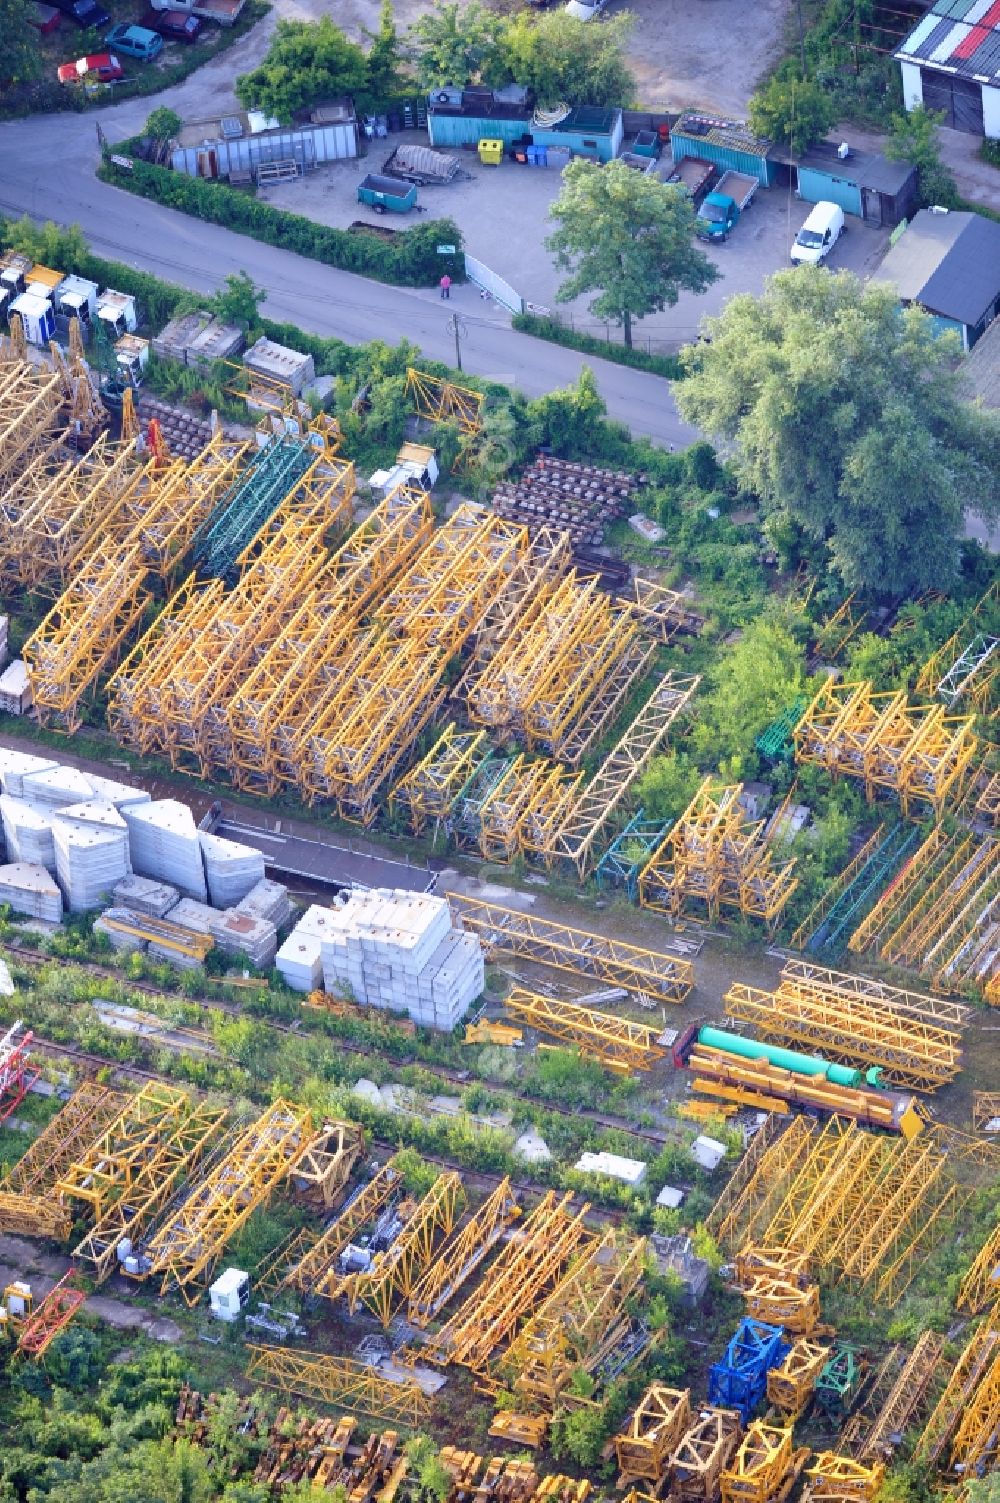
pixel 914 752
pixel 765 1468
pixel 462 1255
pixel 533 1259
pixel 394 1273
pixel 183 1251
pixel 841 1479
pixel 903 1401
pixel 286 685
pixel 702 1454
pixel 83 633
pixel 582 1320
pixel 644 1447
pixel 790 1386
pixel 429 791
pixel 106 1167
pixel 576 843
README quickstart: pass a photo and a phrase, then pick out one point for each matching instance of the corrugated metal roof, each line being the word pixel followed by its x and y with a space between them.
pixel 730 134
pixel 960 37
pixel 948 263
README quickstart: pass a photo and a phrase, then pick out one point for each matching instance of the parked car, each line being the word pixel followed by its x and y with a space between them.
pixel 585 12
pixel 173 25
pixel 818 235
pixel 135 41
pixel 85 13
pixel 98 67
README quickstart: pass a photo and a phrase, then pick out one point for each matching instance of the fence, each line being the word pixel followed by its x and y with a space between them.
pixel 489 281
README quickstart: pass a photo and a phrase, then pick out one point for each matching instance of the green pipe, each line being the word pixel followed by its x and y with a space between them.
pixel 785 1059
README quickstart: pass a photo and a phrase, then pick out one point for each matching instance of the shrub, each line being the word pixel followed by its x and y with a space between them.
pixel 590 344
pixel 409 261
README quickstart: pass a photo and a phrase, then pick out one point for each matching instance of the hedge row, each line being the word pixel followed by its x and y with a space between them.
pixel 588 344
pixel 411 260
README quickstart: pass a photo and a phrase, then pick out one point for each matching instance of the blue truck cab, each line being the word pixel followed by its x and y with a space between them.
pixel 720 210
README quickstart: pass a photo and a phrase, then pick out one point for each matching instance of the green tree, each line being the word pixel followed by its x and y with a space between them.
pixel 562 61
pixel 20 58
pixel 307 61
pixel 792 109
pixel 751 684
pixel 51 244
pixel 432 1478
pixel 162 124
pixel 384 80
pixel 580 1435
pixel 668 785
pixel 913 137
pixel 239 300
pixel 454 46
pixel 845 414
pixel 627 237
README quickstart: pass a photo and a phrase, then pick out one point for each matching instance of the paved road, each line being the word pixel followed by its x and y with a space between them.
pixel 48 173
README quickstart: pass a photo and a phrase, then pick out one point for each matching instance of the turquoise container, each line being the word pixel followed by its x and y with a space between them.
pixel 785 1059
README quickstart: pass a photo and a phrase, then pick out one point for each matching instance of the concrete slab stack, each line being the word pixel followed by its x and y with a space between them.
pixel 163 840
pixel 238 933
pixel 231 870
pixel 15 688
pixel 143 895
pixel 90 859
pixel 190 914
pixel 300 963
pixel 94 813
pixel 119 794
pixel 267 900
pixel 27 833
pixel 55 787
pixel 30 889
pixel 398 950
pixel 15 766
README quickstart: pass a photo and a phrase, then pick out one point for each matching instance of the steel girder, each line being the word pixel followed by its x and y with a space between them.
pixel 618 1043
pixel 533 1259
pixel 462 1255
pixel 183 1252
pixel 338 1382
pixel 575 950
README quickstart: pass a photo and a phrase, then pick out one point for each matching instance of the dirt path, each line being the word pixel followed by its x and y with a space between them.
pixel 20 1259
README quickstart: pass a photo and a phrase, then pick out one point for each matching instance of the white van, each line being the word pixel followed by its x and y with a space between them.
pixel 818 235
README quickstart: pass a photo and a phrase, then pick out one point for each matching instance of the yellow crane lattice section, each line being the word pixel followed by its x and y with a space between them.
pixel 338 1382
pixel 712 858
pixel 904 1399
pixel 394 1273
pixel 618 1043
pixel 89 1109
pixel 574 950
pixel 460 1257
pixel 643 1449
pixel 316 1270
pixel 441 401
pixel 109 1165
pixel 981 1285
pixel 765 1467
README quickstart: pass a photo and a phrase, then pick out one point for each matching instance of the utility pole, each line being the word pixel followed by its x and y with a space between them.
pixel 457 326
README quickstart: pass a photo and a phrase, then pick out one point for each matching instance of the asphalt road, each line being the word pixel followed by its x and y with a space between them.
pixel 48 173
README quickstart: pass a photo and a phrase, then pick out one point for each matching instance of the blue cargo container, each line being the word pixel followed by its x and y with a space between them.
pixel 586 131
pixel 726 144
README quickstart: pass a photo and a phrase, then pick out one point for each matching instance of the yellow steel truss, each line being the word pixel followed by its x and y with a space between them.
pixel 904 1399
pixel 34 1216
pixel 713 857
pixel 662 612
pixel 393 1274
pixel 977 1438
pixel 83 632
pixel 981 1285
pixel 324 1169
pixel 841 1479
pixel 915 752
pixel 338 1382
pixel 109 1165
pixel 575 950
pixel 621 1045
pixel 985 1108
pixel 576 841
pixel 582 1320
pixel 316 1270
pixel 854 1026
pixel 782 1302
pixel 644 1447
pixel 703 1453
pixel 533 1259
pixel 953 672
pixel 157 1180
pixel 765 1467
pixel 428 792
pixel 974 1362
pixel 89 1109
pixel 441 401
pixel 747 1203
pixel 790 1386
pixel 460 1257
pixel 184 1250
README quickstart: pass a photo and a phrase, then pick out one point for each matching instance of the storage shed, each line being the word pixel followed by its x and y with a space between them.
pixel 248 141
pixel 951 62
pixel 863 183
pixel 727 144
pixel 464 117
pixel 948 263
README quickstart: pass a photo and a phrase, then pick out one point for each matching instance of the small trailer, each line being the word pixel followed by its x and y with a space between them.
pixel 386 195
pixel 424 167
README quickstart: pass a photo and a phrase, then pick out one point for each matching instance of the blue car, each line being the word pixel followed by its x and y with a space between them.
pixel 135 41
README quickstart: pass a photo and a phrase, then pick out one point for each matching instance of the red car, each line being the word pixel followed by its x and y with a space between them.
pixel 173 25
pixel 99 67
